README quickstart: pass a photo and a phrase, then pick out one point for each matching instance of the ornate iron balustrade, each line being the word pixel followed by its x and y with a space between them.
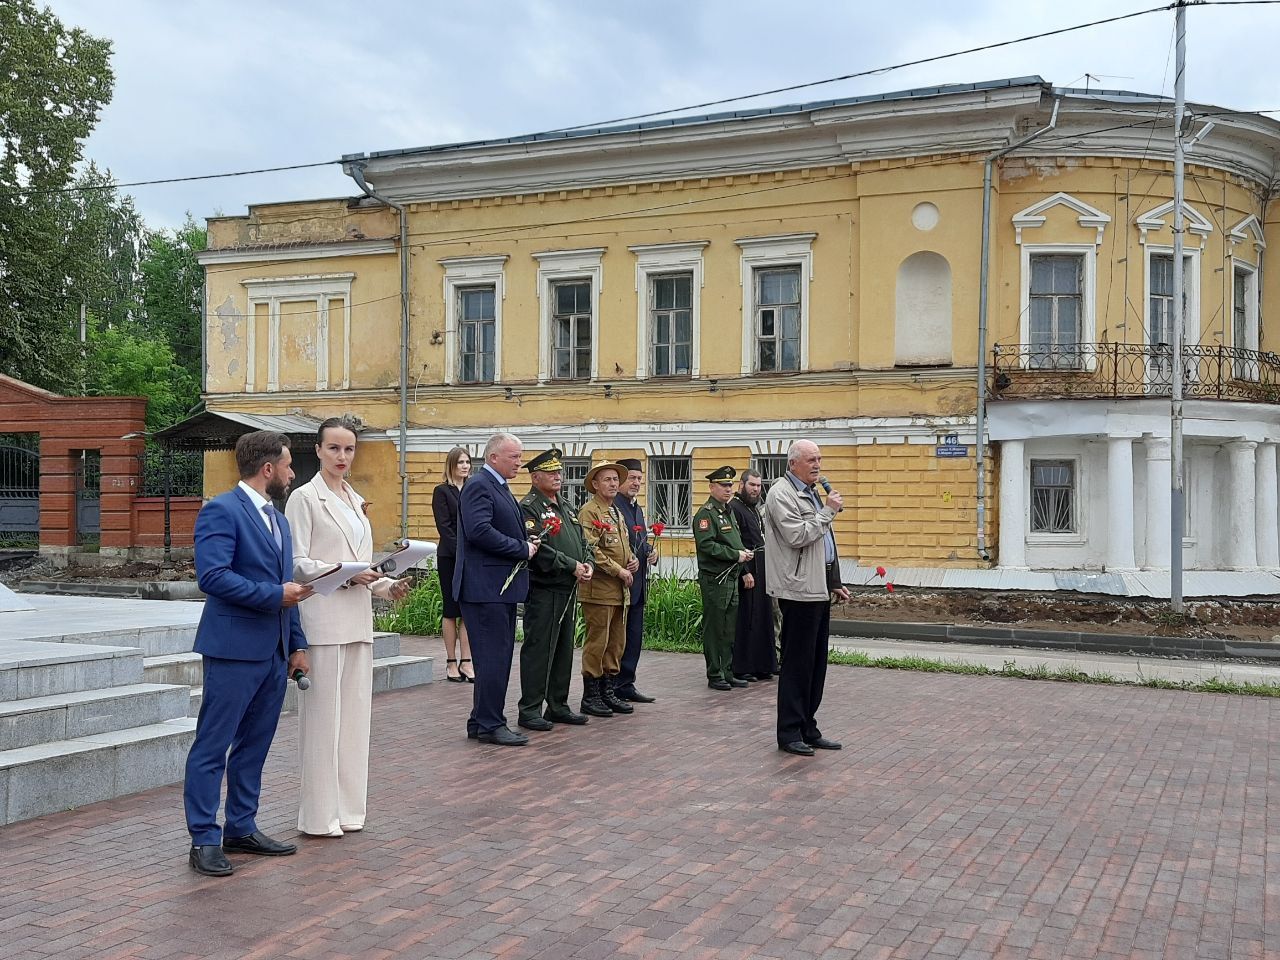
pixel 1108 370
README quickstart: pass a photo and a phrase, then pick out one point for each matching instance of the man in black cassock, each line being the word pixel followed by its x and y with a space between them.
pixel 754 656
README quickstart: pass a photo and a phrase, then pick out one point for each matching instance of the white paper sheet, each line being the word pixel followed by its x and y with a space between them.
pixel 406 554
pixel 326 583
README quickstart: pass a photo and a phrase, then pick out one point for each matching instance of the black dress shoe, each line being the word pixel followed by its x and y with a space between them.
pixel 735 682
pixel 535 723
pixel 569 717
pixel 719 685
pixel 798 747
pixel 634 695
pixel 764 676
pixel 210 861
pixel 259 843
pixel 503 737
pixel 749 677
pixel 473 734
pixel 822 743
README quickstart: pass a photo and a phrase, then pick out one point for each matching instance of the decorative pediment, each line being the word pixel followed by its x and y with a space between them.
pixel 1154 219
pixel 1249 227
pixel 1086 216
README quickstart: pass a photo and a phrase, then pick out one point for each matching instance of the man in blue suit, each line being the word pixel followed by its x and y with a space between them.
pixel 494 542
pixel 248 630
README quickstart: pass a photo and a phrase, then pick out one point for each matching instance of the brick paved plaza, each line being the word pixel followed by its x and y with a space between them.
pixel 966 817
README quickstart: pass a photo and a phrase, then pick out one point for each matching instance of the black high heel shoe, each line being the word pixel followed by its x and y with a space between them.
pixel 459 678
pixel 464 676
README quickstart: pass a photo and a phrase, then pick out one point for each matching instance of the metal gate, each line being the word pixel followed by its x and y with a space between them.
pixel 19 498
pixel 88 498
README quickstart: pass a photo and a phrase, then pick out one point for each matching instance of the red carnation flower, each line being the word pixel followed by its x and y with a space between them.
pixel 879 571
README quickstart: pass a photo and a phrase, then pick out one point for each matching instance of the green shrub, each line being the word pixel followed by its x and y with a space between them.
pixel 420 612
pixel 673 615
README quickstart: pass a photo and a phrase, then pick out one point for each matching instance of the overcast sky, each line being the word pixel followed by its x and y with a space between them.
pixel 210 88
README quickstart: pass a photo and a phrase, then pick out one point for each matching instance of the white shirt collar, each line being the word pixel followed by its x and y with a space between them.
pixel 259 501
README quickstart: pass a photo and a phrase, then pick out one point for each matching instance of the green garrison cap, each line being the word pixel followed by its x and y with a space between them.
pixel 722 474
pixel 547 462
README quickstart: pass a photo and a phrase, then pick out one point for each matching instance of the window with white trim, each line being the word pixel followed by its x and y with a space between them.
pixel 1244 318
pixel 569 286
pixel 476 327
pixel 776 273
pixel 1161 314
pixel 1055 311
pixel 671 491
pixel 573 491
pixel 770 466
pixel 1053 496
pixel 671 325
pixel 571 323
pixel 668 294
pixel 474 290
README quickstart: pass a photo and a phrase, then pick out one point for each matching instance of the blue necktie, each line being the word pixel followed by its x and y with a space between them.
pixel 270 511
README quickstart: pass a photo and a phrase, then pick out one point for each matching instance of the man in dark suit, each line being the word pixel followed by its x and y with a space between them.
pixel 248 629
pixel 633 516
pixel 495 544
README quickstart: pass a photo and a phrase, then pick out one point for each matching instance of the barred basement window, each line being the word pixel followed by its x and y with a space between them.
pixel 770 466
pixel 572 492
pixel 671 491
pixel 1053 496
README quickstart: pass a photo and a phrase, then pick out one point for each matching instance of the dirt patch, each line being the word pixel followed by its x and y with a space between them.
pixel 15 570
pixel 1225 619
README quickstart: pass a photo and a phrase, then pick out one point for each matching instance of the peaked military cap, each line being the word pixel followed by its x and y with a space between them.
pixel 547 462
pixel 722 474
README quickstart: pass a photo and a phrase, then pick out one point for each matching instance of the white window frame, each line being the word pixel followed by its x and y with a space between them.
pixel 1080 536
pixel 788 250
pixel 1191 290
pixel 319 289
pixel 1251 318
pixel 462 272
pixel 653 461
pixel 558 265
pixel 659 259
pixel 1088 296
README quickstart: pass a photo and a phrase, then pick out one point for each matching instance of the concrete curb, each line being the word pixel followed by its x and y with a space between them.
pixel 142 590
pixel 1013 636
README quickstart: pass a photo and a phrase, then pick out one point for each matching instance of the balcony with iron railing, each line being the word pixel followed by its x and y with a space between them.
pixel 1090 371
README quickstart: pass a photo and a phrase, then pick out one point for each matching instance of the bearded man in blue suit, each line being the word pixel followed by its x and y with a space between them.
pixel 251 639
pixel 489 579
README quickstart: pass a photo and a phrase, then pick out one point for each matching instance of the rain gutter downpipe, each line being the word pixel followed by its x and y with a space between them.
pixel 354 168
pixel 981 425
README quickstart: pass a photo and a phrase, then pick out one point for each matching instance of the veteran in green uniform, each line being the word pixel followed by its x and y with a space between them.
pixel 550 612
pixel 720 559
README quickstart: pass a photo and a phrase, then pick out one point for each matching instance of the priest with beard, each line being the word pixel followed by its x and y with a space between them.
pixel 754 655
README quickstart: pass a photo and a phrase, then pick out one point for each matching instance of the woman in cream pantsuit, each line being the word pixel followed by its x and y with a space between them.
pixel 329 525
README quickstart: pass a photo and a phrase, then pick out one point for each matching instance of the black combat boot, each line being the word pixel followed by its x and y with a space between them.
pixel 614 702
pixel 592 704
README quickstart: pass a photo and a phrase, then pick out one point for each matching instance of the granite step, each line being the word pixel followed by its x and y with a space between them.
pixel 68 716
pixel 34 780
pixel 40 668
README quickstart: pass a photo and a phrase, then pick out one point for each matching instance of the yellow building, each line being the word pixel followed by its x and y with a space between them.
pixel 705 290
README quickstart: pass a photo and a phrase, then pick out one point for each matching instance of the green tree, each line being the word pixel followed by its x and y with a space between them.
pixel 54 82
pixel 124 362
pixel 173 283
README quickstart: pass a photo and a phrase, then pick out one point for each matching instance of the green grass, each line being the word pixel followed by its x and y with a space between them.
pixel 673 623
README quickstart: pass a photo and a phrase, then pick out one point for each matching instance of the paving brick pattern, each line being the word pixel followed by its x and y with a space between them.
pixel 967 817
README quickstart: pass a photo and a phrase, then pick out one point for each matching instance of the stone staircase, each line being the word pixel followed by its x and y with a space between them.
pixel 94 714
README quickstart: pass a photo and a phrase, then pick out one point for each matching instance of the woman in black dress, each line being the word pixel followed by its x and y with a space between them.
pixel 444 505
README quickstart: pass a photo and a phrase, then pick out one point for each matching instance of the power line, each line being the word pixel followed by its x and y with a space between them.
pixel 86 188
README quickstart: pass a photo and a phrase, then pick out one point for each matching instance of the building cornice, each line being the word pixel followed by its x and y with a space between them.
pixel 307 251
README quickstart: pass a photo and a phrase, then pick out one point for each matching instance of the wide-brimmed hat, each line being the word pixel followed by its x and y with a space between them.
pixel 591 474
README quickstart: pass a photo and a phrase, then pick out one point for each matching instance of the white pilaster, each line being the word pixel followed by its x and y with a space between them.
pixel 1268 521
pixel 1120 552
pixel 1158 496
pixel 1013 504
pixel 1242 531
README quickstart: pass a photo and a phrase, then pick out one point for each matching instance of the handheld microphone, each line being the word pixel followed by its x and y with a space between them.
pixel 826 485
pixel 302 680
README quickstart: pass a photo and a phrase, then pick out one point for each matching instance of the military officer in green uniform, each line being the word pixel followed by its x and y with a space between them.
pixel 550 612
pixel 720 559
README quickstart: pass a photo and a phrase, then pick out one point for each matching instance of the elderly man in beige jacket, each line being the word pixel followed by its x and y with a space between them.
pixel 802 570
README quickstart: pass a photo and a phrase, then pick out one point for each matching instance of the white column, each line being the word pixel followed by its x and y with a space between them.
pixel 1268 521
pixel 1242 532
pixel 1120 554
pixel 1013 504
pixel 1158 496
